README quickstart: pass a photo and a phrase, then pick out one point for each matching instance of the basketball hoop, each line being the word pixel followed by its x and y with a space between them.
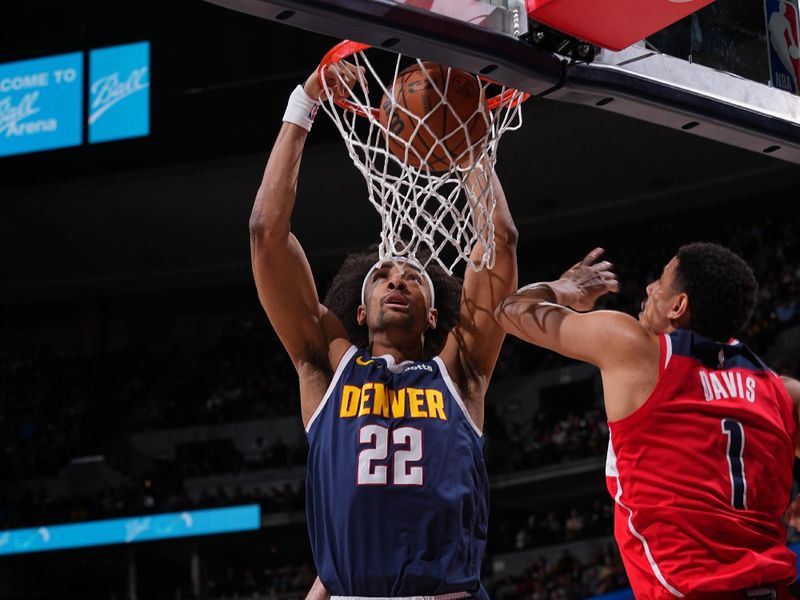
pixel 447 211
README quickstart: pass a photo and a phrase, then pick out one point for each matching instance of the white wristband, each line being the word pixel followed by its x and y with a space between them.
pixel 301 109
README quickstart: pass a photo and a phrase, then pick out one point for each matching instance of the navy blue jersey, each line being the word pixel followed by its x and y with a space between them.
pixel 397 491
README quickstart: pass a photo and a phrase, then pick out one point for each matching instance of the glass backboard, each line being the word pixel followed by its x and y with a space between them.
pixel 727 72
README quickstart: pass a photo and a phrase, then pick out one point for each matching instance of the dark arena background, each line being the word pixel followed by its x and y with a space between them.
pixel 150 437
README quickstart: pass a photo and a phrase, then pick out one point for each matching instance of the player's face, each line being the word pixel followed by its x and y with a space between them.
pixel 660 301
pixel 398 294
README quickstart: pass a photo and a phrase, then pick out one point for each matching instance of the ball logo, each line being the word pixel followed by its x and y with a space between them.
pixel 135 528
pixel 12 117
pixel 108 91
pixel 119 92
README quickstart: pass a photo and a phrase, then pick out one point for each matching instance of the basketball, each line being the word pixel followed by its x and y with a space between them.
pixel 441 118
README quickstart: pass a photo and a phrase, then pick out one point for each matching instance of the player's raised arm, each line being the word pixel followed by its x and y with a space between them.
pixel 474 344
pixel 311 335
pixel 545 314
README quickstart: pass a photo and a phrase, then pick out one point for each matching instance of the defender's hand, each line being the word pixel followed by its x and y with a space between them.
pixel 582 285
pixel 339 77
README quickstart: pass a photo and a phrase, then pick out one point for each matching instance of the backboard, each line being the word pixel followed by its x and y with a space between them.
pixel 727 72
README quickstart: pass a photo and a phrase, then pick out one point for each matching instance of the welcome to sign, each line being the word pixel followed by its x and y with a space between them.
pixel 42 99
pixel 41 102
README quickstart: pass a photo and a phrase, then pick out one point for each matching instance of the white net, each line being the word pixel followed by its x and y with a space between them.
pixel 427 154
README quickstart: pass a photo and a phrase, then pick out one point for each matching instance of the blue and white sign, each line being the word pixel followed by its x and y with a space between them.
pixel 131 530
pixel 783 33
pixel 41 104
pixel 119 92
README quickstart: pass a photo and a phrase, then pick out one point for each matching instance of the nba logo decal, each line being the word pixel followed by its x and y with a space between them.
pixel 784 51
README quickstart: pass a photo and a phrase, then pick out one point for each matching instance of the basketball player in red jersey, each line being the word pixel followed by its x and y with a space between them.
pixel 702 433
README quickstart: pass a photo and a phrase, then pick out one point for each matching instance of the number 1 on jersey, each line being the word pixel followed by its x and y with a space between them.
pixel 735 455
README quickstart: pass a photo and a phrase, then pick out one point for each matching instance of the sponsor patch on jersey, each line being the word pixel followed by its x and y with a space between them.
pixel 419 367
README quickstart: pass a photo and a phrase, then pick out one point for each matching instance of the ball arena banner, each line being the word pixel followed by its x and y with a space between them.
pixel 41 104
pixel 146 528
pixel 43 100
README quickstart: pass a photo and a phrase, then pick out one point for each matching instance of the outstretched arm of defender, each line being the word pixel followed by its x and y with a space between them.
pixel 540 313
pixel 626 353
pixel 282 273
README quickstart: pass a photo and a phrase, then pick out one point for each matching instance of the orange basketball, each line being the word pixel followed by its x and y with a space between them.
pixel 441 131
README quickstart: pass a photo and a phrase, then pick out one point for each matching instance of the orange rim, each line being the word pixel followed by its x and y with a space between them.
pixel 343 49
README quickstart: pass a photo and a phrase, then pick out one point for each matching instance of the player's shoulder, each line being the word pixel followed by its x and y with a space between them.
pixel 619 336
pixel 792 387
pixel 618 322
pixel 618 318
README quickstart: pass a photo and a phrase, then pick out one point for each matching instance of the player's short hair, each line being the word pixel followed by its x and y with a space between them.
pixel 721 288
pixel 344 297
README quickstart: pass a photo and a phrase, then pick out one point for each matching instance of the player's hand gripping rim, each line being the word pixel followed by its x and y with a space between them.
pixel 335 80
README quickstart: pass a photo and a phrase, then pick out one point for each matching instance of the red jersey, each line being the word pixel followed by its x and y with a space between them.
pixel 701 474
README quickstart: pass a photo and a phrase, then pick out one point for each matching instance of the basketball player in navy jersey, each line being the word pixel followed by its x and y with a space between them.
pixel 702 433
pixel 397 490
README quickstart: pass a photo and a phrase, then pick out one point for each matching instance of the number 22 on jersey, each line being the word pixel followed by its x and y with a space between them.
pixel 406 448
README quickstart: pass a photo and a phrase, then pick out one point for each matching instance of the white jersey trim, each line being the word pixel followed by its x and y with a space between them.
pixel 667 350
pixel 392 365
pixel 334 380
pixel 612 471
pixel 451 386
